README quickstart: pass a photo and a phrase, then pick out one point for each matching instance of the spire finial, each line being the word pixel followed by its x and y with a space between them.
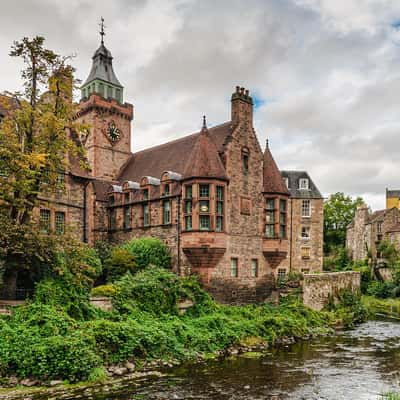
pixel 102 33
pixel 204 122
pixel 267 144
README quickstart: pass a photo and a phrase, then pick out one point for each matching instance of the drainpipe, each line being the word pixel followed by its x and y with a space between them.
pixel 291 235
pixel 85 236
pixel 178 233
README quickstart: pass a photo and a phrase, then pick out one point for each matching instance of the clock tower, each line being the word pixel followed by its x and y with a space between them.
pixel 108 118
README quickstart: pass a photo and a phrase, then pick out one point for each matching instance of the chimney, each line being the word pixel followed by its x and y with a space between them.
pixel 242 106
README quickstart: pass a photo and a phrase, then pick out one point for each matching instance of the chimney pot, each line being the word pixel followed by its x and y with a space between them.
pixel 247 92
pixel 242 90
pixel 237 89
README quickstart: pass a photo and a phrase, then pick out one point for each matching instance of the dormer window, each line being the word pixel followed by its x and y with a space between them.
pixel 286 180
pixel 304 184
pixel 166 189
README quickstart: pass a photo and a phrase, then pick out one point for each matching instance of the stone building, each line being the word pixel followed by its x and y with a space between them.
pixel 368 229
pixel 214 197
pixel 306 208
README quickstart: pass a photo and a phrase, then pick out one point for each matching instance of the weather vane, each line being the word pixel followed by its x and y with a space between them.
pixel 102 33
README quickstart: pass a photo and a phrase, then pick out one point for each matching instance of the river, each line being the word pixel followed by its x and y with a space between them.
pixel 354 365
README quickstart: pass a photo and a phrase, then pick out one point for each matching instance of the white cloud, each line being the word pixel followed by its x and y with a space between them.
pixel 327 71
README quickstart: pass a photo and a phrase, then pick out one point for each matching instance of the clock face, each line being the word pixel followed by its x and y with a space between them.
pixel 113 133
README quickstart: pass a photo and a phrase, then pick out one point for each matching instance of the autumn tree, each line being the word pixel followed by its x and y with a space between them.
pixel 36 136
pixel 339 211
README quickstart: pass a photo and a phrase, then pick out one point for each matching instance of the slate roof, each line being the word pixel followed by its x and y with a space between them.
pixel 273 182
pixel 171 156
pixel 394 228
pixel 294 178
pixel 204 161
pixel 102 67
pixel 377 215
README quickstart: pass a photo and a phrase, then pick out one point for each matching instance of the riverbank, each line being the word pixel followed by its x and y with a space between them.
pixel 336 366
pixel 56 339
pixel 382 307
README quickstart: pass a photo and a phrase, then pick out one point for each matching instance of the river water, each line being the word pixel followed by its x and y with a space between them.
pixel 354 365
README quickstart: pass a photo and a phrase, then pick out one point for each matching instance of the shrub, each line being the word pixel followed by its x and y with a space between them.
pixel 149 251
pixel 157 291
pixel 382 290
pixel 119 263
pixel 104 291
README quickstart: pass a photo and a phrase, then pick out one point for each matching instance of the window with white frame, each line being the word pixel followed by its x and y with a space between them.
pixel 305 232
pixel 306 208
pixel 286 180
pixel 254 268
pixel 281 273
pixel 234 268
pixel 304 184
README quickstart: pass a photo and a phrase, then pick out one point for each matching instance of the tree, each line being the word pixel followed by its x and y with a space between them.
pixel 36 136
pixel 339 212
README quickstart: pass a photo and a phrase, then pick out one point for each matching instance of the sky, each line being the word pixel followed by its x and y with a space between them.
pixel 324 74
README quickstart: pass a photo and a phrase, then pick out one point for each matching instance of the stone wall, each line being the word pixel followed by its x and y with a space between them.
pixel 319 288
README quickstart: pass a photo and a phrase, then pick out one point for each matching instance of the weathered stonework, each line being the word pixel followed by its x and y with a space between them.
pixel 368 229
pixel 318 289
pixel 237 235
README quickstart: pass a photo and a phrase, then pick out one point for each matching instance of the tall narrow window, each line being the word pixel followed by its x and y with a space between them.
pixel 254 268
pixel 146 218
pixel 112 220
pixel 166 212
pixel 145 194
pixel 270 218
pixel 118 95
pixel 127 217
pixel 101 89
pixel 126 198
pixel 245 161
pixel 305 208
pixel 282 218
pixel 60 222
pixel 204 207
pixel 234 268
pixel 44 221
pixel 219 226
pixel 188 205
pixel 166 189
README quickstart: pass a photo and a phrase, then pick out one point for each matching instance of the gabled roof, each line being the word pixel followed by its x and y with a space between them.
pixel 102 67
pixel 293 183
pixel 171 156
pixel 204 161
pixel 273 182
pixel 377 215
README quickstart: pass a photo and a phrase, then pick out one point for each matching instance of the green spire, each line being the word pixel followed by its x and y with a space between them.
pixel 102 79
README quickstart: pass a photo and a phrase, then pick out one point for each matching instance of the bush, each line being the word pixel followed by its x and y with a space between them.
pixel 104 291
pixel 382 290
pixel 149 251
pixel 119 263
pixel 157 291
